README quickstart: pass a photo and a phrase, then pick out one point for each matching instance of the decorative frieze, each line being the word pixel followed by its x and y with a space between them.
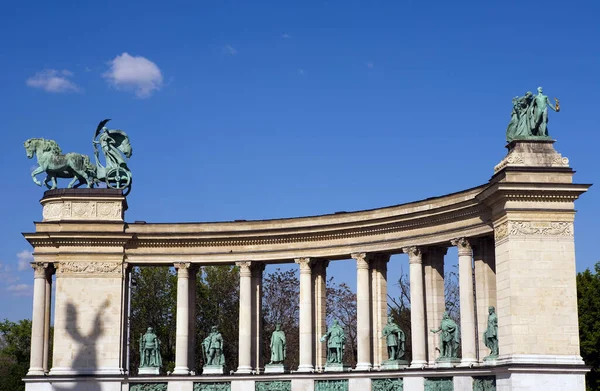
pixel 148 387
pixel 281 385
pixel 212 386
pixel 83 210
pixel 531 228
pixel 484 383
pixel 89 268
pixel 439 384
pixel 331 385
pixel 387 385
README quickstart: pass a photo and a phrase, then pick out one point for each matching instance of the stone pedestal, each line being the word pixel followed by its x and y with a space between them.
pixel 149 371
pixel 447 362
pixel 276 368
pixel 335 367
pixel 213 370
pixel 390 365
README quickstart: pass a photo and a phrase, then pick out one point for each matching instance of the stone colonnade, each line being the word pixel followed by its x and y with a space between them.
pixel 515 241
pixel 426 296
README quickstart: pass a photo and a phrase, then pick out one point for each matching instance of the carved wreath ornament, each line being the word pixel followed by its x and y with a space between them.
pixel 89 267
pixel 528 228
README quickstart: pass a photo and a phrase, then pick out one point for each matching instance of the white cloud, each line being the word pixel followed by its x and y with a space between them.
pixel 134 73
pixel 52 80
pixel 228 49
pixel 24 258
pixel 20 289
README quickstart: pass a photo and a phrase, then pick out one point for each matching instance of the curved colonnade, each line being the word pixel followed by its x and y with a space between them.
pixel 524 214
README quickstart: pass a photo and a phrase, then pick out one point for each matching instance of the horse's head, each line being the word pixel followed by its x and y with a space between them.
pixel 30 147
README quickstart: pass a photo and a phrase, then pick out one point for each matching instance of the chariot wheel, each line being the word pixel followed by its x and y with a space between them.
pixel 119 178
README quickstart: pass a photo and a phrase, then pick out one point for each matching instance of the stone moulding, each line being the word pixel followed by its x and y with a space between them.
pixel 531 228
pixel 89 268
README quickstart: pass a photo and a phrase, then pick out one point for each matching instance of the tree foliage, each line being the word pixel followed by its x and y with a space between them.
pixel 281 304
pixel 341 305
pixel 15 347
pixel 588 301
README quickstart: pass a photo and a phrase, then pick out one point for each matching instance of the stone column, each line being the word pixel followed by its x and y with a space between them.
pixel 319 274
pixel 193 271
pixel 36 362
pixel 257 318
pixel 306 337
pixel 363 312
pixel 47 313
pixel 379 307
pixel 182 320
pixel 467 301
pixel 485 287
pixel 245 319
pixel 417 307
pixel 435 298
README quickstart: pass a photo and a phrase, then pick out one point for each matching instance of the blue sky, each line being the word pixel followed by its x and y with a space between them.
pixel 255 110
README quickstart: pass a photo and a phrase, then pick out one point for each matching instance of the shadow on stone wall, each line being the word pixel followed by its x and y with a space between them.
pixel 86 358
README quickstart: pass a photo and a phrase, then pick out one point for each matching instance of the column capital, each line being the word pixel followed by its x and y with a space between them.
pixel 245 268
pixel 362 260
pixel 183 269
pixel 40 269
pixel 464 247
pixel 415 255
pixel 305 264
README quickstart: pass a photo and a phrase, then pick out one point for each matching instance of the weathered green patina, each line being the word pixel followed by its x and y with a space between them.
pixel 395 339
pixel 484 383
pixel 114 172
pixel 529 116
pixel 387 385
pixel 439 384
pixel 490 335
pixel 336 340
pixel 150 350
pixel 278 346
pixel 331 385
pixel 148 387
pixel 212 348
pixel 282 385
pixel 449 338
pixel 212 386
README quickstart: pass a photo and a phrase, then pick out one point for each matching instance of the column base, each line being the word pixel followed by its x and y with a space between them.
pixel 418 364
pixel 181 371
pixel 468 362
pixel 244 370
pixel 306 369
pixel 363 366
pixel 36 372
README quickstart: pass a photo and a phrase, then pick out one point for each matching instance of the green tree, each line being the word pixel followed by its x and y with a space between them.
pixel 153 304
pixel 15 343
pixel 588 301
pixel 217 304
